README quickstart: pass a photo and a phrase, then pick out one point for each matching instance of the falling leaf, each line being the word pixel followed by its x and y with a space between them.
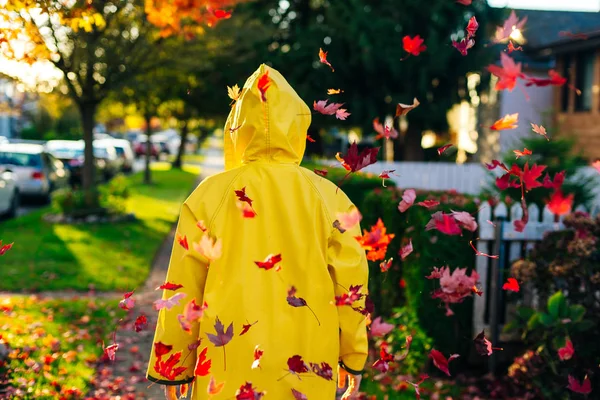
pixel 323 59
pixel 464 3
pixel 494 164
pixel 161 349
pixel 296 365
pixel 258 353
pixel 540 130
pixel 170 302
pixel 478 253
pixel 264 83
pixel 509 121
pixel 382 364
pixel 169 286
pixel 465 220
pixel 530 176
pixel 385 174
pixel 483 346
pixel 221 338
pixel 5 248
pixel 353 161
pixel 510 24
pixel 322 107
pixel 298 395
pixel 209 248
pixel 247 211
pixel 442 149
pixel 406 250
pixel 299 302
pixel 387 132
pixel 584 387
pixel 141 322
pixel 320 172
pixel 334 91
pixel 222 14
pixel 440 361
pixel 525 152
pixel 167 368
pixel 213 387
pixel 446 224
pixel 511 47
pixel 566 352
pixel 353 295
pixel 248 392
pixel 560 204
pixel 246 327
pixel 269 262
pixel 233 92
pixel 511 284
pixel 348 220
pixel 323 370
pixel 408 198
pixel 182 240
pixel 310 139
pixel 110 351
pixel 241 196
pixel 342 114
pixel 463 46
pixel 385 265
pixel 403 109
pixel 192 312
pixel 425 376
pixel 508 73
pixel 414 45
pixel 376 241
pixel 128 302
pixel 472 27
pixel 203 364
pixel 380 328
pixel 428 203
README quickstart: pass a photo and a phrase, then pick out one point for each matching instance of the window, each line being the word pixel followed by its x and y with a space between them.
pixel 585 80
pixel 564 93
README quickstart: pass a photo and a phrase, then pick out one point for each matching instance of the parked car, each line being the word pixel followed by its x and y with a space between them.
pixel 70 152
pixel 124 151
pixel 38 172
pixel 9 194
pixel 105 151
pixel 140 148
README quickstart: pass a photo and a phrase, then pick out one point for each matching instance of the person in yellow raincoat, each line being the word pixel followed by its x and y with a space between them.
pixel 258 251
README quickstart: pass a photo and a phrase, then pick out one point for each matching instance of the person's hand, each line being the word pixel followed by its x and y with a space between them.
pixel 353 383
pixel 171 391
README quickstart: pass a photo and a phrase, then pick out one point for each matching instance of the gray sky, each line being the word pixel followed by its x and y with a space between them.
pixel 571 5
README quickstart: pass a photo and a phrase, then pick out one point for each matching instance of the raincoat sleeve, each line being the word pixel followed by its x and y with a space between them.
pixel 348 266
pixel 189 269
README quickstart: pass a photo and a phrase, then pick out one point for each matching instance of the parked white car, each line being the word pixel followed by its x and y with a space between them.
pixel 125 152
pixel 9 194
pixel 38 172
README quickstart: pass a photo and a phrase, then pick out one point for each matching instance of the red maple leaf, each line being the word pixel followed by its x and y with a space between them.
pixel 5 248
pixel 376 241
pixel 241 195
pixel 530 176
pixel 353 294
pixel 221 338
pixel 540 130
pixel 464 2
pixel 298 302
pixel 414 45
pixel 141 322
pixel 322 107
pixel 167 368
pixel 483 346
pixel 353 161
pixel 246 327
pixel 202 364
pixel 509 121
pixel 585 387
pixel 298 395
pixel 448 225
pixel 110 351
pixel 525 152
pixel 320 172
pixel 127 303
pixel 382 364
pixel 323 370
pixel 161 349
pixel 222 14
pixel 310 139
pixel 264 83
pixel 258 353
pixel 442 149
pixel 463 46
pixel 403 109
pixel 556 183
pixel 566 352
pixel 508 73
pixel 296 365
pixel 472 27
pixel 511 284
pixel 182 240
pixel 494 164
pixel 428 203
pixel 269 262
pixel 406 250
pixel 424 376
pixel 323 59
pixel 511 47
pixel 247 392
pixel 554 79
pixel 440 361
pixel 169 286
pixel 560 204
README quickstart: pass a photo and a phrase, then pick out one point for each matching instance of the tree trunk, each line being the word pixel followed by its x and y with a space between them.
pixel 412 144
pixel 184 134
pixel 88 112
pixel 147 175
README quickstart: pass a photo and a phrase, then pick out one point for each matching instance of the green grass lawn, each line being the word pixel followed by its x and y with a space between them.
pixel 104 256
pixel 52 345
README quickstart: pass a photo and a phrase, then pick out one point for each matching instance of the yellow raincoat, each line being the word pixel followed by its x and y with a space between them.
pixel 295 211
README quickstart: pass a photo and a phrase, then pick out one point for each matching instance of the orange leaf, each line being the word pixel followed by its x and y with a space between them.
pixel 323 59
pixel 509 121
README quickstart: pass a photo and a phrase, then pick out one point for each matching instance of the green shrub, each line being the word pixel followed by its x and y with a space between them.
pixel 114 195
pixel 431 248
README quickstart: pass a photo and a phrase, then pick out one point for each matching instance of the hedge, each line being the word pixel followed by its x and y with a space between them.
pixel 431 248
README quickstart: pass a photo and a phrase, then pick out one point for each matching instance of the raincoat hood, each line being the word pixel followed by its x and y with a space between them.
pixel 272 131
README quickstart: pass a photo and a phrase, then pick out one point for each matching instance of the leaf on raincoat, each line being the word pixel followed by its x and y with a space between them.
pixel 209 248
pixel 247 211
pixel 403 109
pixel 213 387
pixel 511 47
pixel 110 351
pixel 383 363
pixel 299 302
pixel 509 121
pixel 202 226
pixel 258 353
pixel 566 352
pixel 192 312
pixel 169 303
pixel 428 203
pixel 408 198
pixel 386 131
pixel 413 46
pixel 463 46
pixel 348 220
pixel 380 328
pixel 585 387
pixel 182 240
pixel 296 365
pixel 233 92
pixel 560 204
pixel 161 349
pixel 353 161
pixel 337 225
pixel 323 59
pixel 241 196
pixel 128 302
pixel 246 327
pixel 194 345
pixel 320 172
pixel 310 139
pixel 247 392
pixel 508 73
pixel 472 27
pixel 221 338
pixel 203 364
pixel 298 395
pixel 141 322
pixel 269 262
pixel 510 24
pixel 334 91
pixel 385 265
pixel 423 376
pixel 348 298
pixel 376 241
pixel 169 286
pixel 511 284
pixel 440 361
pixel 406 250
pixel 483 346
pixel 5 248
pixel 264 83
pixel 442 149
pixel 478 253
pixel 525 152
pixel 323 370
pixel 167 369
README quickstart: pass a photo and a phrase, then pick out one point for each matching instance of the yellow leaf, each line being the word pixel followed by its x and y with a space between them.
pixel 233 92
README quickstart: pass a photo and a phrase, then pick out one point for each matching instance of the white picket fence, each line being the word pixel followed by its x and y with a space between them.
pixel 516 246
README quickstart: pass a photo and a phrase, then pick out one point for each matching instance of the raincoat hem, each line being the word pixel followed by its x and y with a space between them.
pixel 169 383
